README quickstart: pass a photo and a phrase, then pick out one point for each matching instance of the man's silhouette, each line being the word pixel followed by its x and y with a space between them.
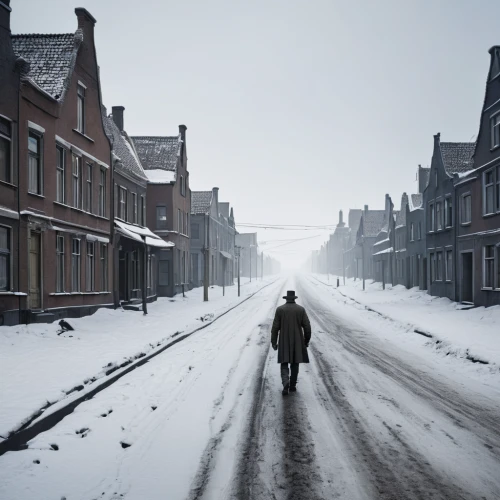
pixel 293 328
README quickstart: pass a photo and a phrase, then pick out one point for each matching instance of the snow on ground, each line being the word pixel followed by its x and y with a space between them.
pixel 455 331
pixel 142 438
pixel 38 366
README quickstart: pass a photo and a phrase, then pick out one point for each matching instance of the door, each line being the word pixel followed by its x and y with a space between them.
pixel 424 273
pixel 467 278
pixel 123 276
pixel 194 270
pixel 35 296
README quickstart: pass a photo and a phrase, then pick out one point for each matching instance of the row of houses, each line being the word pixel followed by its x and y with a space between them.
pixel 446 237
pixel 91 217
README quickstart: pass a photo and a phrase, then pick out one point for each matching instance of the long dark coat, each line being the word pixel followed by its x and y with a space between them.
pixel 292 326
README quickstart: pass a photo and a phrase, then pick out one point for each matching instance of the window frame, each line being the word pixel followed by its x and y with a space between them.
pixel 439 265
pixel 6 253
pixel 488 187
pixel 76 265
pixel 439 216
pixel 103 258
pixel 80 108
pixel 102 192
pixel 38 136
pixel 90 266
pixel 60 263
pixel 412 231
pixel 448 212
pixel 486 260
pixel 122 203
pixel 89 185
pixel 143 210
pixel 60 174
pixel 9 142
pixel 134 209
pixel 495 130
pixel 76 181
pixel 164 225
pixel 432 217
pixel 448 274
pixel 463 209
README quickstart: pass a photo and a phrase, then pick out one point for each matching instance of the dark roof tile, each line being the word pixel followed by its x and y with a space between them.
pixel 200 202
pixel 373 221
pixel 158 152
pixel 457 156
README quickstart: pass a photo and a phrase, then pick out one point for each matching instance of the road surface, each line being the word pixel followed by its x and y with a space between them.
pixel 206 420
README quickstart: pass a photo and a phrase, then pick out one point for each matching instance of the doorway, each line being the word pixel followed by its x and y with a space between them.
pixel 35 296
pixel 467 292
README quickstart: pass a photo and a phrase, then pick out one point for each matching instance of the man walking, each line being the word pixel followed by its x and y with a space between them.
pixel 292 326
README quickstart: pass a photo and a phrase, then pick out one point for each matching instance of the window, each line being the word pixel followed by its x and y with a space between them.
pixel 412 232
pixel 195 231
pixel 163 273
pixel 432 217
pixel 495 131
pixel 489 266
pixel 103 254
pixel 161 217
pixel 439 215
pixel 35 163
pixel 179 220
pixel 449 265
pixel 77 181
pixel 436 177
pixel 143 211
pixel 420 230
pixel 448 212
pixel 75 265
pixel 186 227
pixel 5 148
pixel 136 272
pixel 81 109
pixel 498 189
pixel 60 177
pixel 102 193
pixel 488 192
pixel 122 207
pixel 59 263
pixel 439 266
pixel 90 268
pixel 4 259
pixel 134 208
pixel 183 186
pixel 466 215
pixel 88 190
pixel 433 267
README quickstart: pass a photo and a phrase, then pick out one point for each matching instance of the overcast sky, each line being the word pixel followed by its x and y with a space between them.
pixel 295 109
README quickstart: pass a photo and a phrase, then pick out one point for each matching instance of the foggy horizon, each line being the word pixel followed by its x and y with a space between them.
pixel 293 112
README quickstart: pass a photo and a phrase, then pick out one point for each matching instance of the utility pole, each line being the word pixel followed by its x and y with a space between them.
pixel 343 266
pixel 237 251
pixel 262 266
pixel 206 268
pixel 144 278
pixel 250 261
pixel 363 263
pixel 224 278
pixel 256 262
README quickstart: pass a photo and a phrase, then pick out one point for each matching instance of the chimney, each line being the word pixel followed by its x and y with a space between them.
pixel 366 208
pixel 86 23
pixel 494 62
pixel 5 42
pixel 117 112
pixel 341 219
pixel 215 192
pixel 182 132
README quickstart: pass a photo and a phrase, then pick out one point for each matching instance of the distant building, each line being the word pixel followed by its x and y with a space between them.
pixel 383 247
pixel 336 246
pixel 401 261
pixel 168 208
pixel 249 257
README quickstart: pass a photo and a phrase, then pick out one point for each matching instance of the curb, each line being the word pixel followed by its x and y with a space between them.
pixel 18 440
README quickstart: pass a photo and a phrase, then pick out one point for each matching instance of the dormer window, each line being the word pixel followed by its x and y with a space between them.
pixel 81 108
pixel 495 131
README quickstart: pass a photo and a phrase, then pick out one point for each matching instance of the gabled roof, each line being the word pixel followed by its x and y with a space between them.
pixel 457 156
pixel 415 201
pixel 401 215
pixel 158 153
pixel 373 221
pixel 129 162
pixel 51 58
pixel 224 209
pixel 200 202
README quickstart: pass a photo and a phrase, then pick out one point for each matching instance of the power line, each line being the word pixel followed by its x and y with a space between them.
pixel 256 224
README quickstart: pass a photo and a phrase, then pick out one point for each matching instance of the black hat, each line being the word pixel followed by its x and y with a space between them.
pixel 290 295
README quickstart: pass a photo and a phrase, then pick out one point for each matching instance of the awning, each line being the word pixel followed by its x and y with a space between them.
pixel 141 234
pixel 225 254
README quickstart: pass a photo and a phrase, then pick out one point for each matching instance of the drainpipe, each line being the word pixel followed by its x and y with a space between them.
pixel 18 198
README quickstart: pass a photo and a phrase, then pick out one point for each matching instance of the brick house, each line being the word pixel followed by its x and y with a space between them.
pixel 168 207
pixel 383 246
pixel 136 248
pixel 478 197
pixel 64 176
pixel 11 301
pixel 415 237
pixel 212 231
pixel 448 159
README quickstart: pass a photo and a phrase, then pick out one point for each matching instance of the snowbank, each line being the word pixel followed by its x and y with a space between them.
pixel 467 333
pixel 38 367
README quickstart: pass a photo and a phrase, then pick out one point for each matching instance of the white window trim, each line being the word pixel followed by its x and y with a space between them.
pixel 36 128
pixel 484 287
pixel 462 196
pixel 483 190
pixel 492 140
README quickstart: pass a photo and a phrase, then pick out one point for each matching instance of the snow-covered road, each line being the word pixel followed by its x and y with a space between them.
pixel 376 416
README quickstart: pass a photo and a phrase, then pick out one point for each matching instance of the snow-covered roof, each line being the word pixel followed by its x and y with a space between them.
pixel 136 233
pixel 51 58
pixel 373 221
pixel 128 161
pixel 387 250
pixel 159 176
pixel 200 202
pixel 415 201
pixel 158 153
pixel 457 156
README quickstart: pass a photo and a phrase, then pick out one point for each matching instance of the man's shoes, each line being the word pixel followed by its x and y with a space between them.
pixel 284 392
pixel 293 388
